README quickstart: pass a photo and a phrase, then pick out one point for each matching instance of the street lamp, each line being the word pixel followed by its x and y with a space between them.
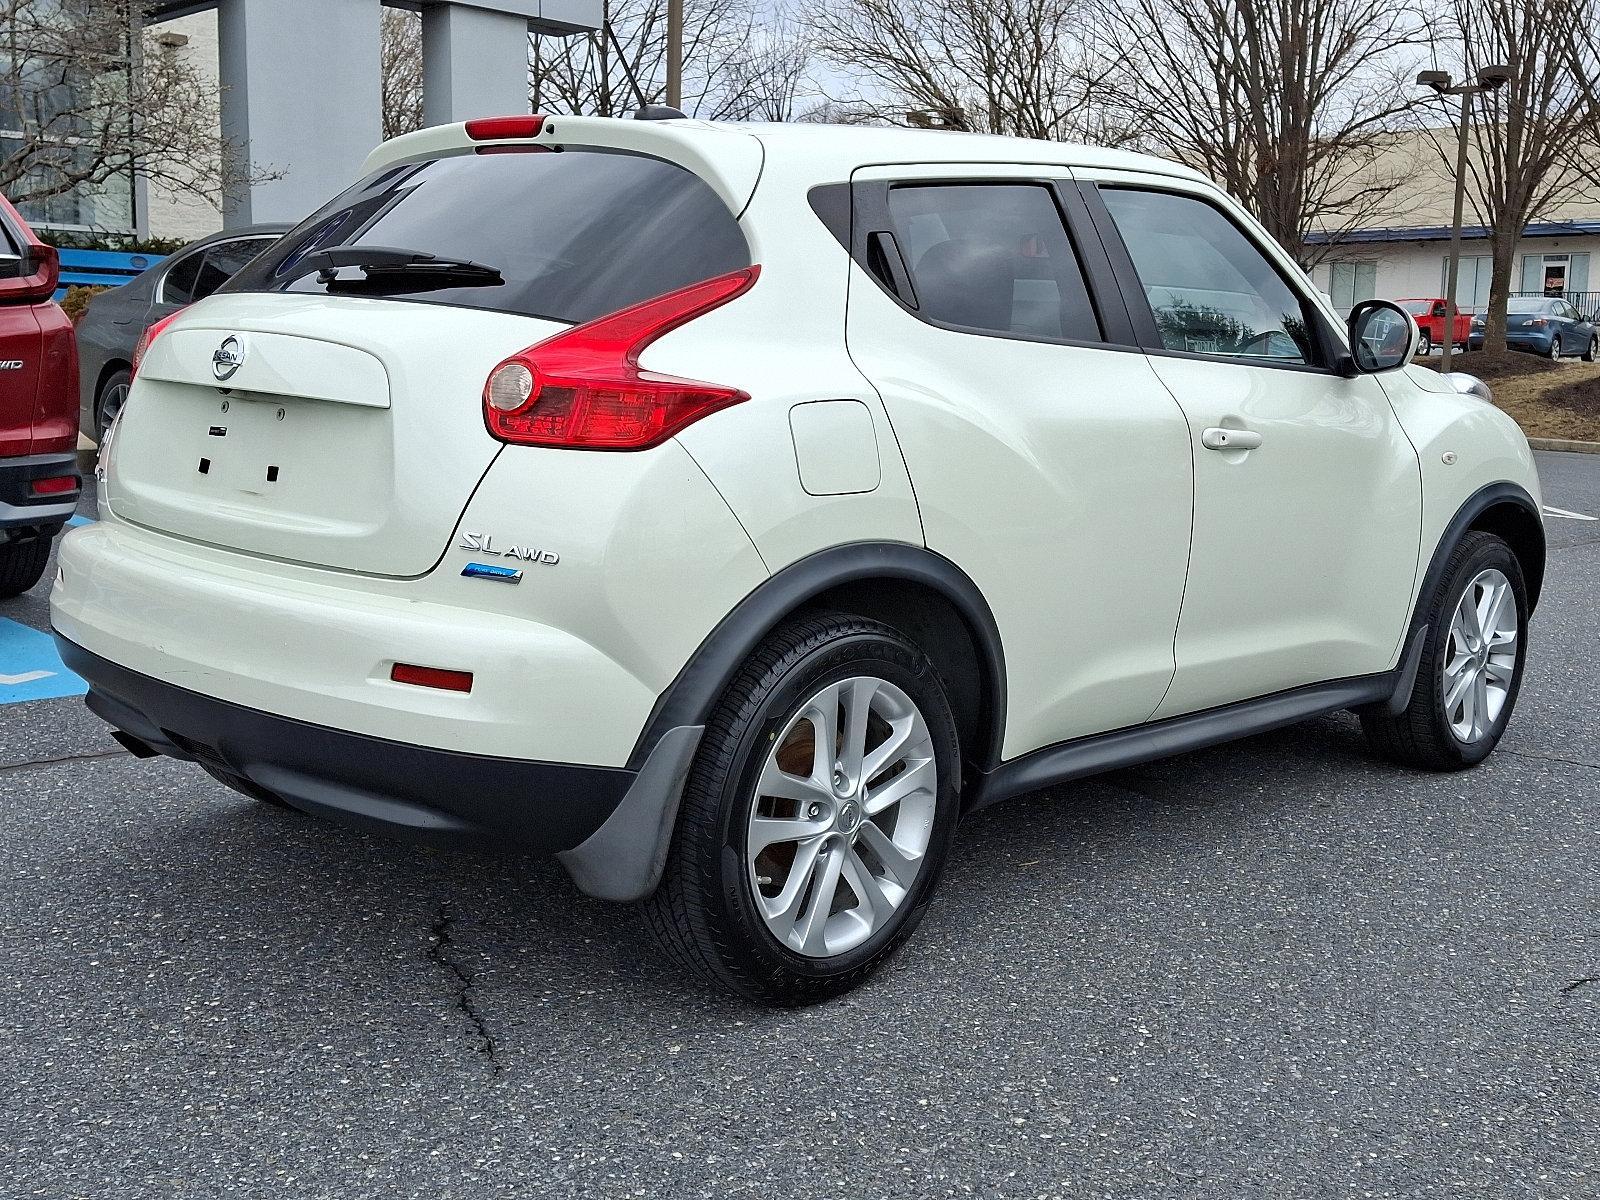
pixel 675 54
pixel 1489 78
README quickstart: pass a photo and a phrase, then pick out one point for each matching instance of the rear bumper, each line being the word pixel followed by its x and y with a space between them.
pixel 21 509
pixel 609 825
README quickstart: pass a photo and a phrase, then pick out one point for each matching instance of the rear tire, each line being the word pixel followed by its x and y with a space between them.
pixel 771 821
pixel 1434 732
pixel 1554 353
pixel 22 565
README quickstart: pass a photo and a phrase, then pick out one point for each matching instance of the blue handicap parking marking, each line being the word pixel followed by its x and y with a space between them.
pixel 79 520
pixel 30 668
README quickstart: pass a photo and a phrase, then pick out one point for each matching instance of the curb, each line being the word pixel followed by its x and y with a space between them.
pixel 1566 444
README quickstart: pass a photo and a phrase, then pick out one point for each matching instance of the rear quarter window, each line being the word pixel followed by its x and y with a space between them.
pixel 574 233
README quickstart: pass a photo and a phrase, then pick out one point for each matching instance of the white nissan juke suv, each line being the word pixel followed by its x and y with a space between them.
pixel 730 510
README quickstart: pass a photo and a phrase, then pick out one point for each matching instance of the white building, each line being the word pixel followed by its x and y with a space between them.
pixel 298 87
pixel 1406 256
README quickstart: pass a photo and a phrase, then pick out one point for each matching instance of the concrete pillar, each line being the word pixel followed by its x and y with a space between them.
pixel 474 63
pixel 300 97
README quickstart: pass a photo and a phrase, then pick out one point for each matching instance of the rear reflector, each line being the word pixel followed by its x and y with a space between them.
pixel 56 486
pixel 489 129
pixel 432 677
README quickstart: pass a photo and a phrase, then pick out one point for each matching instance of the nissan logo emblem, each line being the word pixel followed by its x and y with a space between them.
pixel 225 363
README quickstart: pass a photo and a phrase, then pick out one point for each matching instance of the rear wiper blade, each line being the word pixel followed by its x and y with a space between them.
pixel 390 268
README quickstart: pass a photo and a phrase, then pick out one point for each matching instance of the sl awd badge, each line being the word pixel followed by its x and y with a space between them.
pixel 483 543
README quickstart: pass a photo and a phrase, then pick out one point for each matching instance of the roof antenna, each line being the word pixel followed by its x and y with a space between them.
pixel 646 110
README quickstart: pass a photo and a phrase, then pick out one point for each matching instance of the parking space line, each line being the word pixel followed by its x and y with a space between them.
pixel 1550 511
pixel 30 668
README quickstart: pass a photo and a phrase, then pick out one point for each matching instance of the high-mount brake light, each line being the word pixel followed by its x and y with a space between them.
pixel 489 129
pixel 584 389
pixel 147 339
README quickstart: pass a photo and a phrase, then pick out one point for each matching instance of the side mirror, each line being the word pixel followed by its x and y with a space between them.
pixel 1383 336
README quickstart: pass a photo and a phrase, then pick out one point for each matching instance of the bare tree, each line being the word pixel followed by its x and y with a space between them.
pixel 1533 143
pixel 87 96
pixel 1288 104
pixel 1020 67
pixel 737 65
pixel 401 58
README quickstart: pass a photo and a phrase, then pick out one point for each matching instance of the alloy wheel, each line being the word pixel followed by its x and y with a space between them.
pixel 843 813
pixel 1481 657
pixel 111 404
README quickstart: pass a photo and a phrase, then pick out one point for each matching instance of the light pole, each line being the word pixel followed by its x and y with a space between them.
pixel 1488 79
pixel 675 54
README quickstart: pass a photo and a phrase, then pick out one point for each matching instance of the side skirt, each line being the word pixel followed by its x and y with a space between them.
pixel 1192 731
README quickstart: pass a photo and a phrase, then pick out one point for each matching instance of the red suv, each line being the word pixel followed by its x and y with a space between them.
pixel 39 481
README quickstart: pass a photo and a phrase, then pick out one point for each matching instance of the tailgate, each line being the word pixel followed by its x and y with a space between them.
pixel 336 431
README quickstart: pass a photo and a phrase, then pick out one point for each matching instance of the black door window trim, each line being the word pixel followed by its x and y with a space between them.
pixel 1143 317
pixel 871 220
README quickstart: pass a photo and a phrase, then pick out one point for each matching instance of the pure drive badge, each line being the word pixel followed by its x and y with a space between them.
pixel 483 543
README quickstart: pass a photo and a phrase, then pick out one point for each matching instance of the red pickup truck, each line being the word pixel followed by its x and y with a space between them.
pixel 1429 313
pixel 39 480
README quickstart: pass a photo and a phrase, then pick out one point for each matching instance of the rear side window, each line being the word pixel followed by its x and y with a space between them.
pixel 222 261
pixel 178 285
pixel 993 258
pixel 574 234
pixel 10 253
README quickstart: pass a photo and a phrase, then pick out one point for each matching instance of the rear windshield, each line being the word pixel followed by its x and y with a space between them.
pixel 574 233
pixel 1525 306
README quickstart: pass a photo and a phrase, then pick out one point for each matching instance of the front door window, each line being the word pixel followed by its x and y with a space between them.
pixel 1211 290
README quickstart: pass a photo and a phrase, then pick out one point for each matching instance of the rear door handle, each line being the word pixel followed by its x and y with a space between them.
pixel 1217 438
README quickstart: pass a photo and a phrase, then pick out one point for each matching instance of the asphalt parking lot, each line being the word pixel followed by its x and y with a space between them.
pixel 1278 968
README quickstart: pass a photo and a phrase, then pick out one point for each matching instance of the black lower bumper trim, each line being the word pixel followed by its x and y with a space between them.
pixel 433 795
pixel 20 508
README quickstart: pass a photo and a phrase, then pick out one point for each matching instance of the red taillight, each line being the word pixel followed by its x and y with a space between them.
pixel 1537 322
pixel 56 486
pixel 432 677
pixel 489 129
pixel 583 388
pixel 148 337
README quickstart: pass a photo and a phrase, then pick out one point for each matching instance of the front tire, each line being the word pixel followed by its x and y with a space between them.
pixel 1425 344
pixel 22 565
pixel 817 816
pixel 1471 668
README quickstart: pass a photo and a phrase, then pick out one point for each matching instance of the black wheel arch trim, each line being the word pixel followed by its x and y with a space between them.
pixel 690 698
pixel 1485 498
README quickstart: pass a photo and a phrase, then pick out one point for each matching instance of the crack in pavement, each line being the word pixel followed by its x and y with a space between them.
pixel 1553 758
pixel 66 758
pixel 439 935
pixel 1578 983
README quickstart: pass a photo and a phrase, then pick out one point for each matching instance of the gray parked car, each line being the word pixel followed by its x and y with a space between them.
pixel 116 319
